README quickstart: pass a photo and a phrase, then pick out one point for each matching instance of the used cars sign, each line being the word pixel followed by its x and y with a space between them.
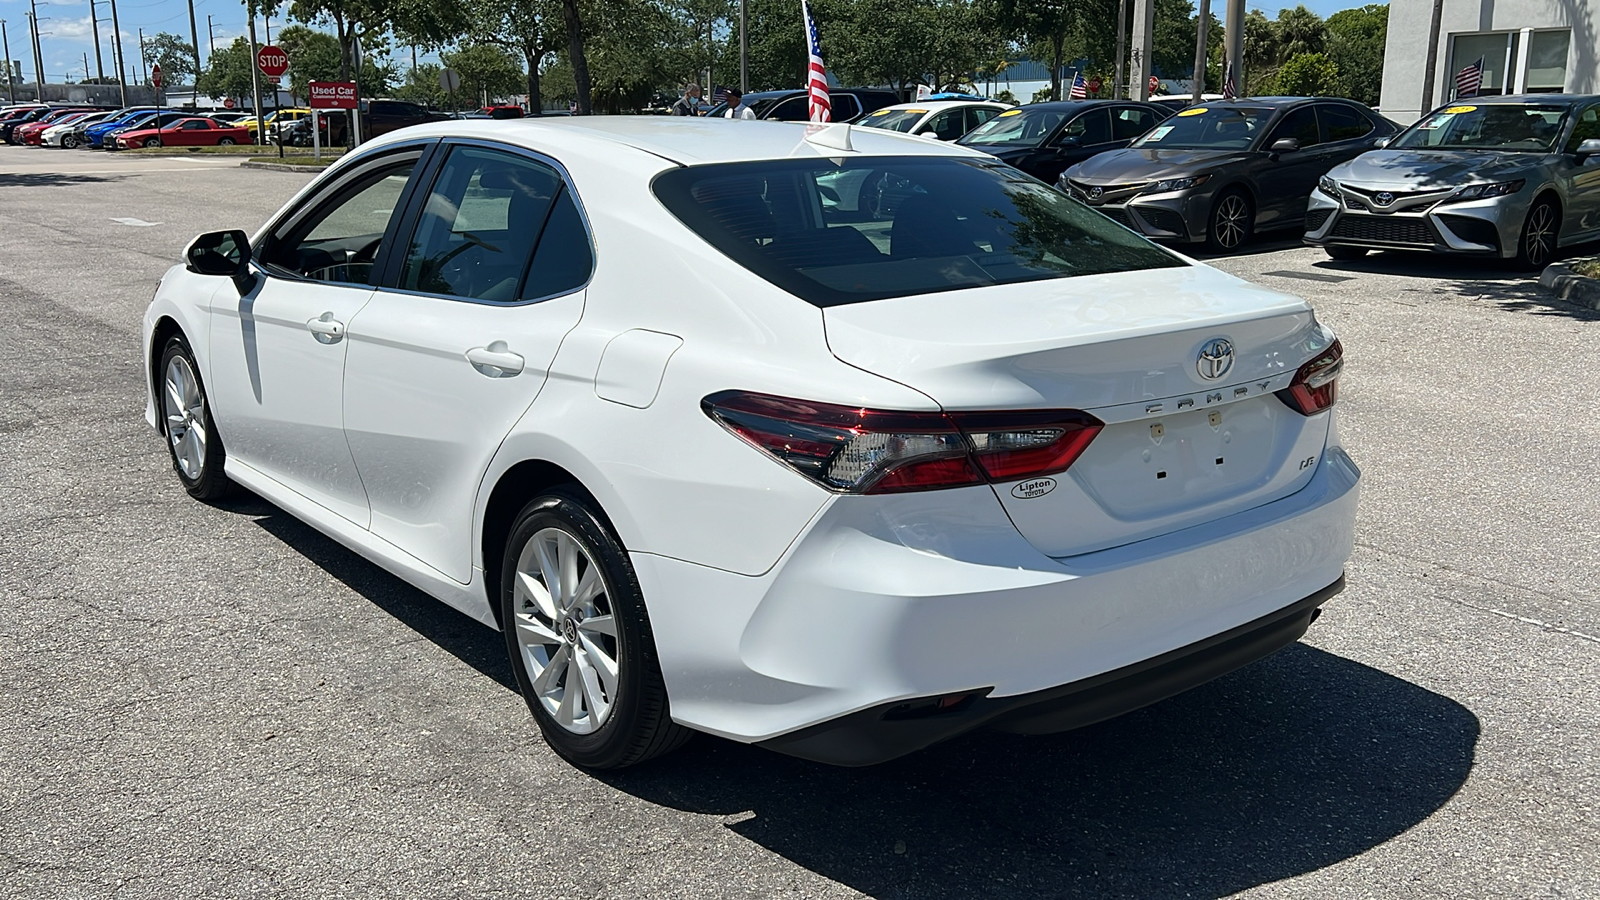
pixel 333 94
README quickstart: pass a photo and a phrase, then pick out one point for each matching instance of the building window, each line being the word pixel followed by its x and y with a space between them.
pixel 1498 52
pixel 1547 61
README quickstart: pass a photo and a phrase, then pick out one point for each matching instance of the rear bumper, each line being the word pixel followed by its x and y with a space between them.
pixel 895 729
pixel 890 600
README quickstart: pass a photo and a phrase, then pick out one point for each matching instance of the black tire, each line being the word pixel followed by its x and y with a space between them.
pixel 1345 254
pixel 1541 235
pixel 152 142
pixel 210 483
pixel 1232 221
pixel 638 726
pixel 225 142
pixel 69 143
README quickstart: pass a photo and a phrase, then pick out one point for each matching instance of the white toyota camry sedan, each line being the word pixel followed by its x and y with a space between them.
pixel 828 439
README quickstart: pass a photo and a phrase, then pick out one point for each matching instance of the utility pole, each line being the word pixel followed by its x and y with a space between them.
pixel 1122 49
pixel 5 44
pixel 744 47
pixel 255 84
pixel 86 65
pixel 1200 51
pixel 1433 59
pixel 38 55
pixel 1233 48
pixel 267 18
pixel 1144 23
pixel 94 26
pixel 122 60
pixel 144 69
pixel 194 38
pixel 211 36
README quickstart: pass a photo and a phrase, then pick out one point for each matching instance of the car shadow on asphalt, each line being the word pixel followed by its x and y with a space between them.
pixel 50 179
pixel 475 644
pixel 1473 278
pixel 1287 766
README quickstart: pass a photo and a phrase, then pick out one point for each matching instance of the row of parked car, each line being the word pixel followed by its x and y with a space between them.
pixel 113 129
pixel 1514 177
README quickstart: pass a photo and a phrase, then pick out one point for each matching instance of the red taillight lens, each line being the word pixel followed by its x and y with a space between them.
pixel 872 451
pixel 1316 385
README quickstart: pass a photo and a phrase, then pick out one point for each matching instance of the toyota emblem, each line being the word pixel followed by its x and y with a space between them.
pixel 1094 193
pixel 1384 198
pixel 1216 358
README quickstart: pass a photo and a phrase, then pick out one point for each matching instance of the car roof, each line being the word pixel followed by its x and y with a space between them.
pixel 1520 99
pixel 931 105
pixel 683 140
pixel 1071 105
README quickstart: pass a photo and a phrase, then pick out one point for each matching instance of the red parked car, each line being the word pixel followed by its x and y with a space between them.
pixel 33 132
pixel 195 132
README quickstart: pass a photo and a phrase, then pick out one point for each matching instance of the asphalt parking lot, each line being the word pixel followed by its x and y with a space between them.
pixel 204 701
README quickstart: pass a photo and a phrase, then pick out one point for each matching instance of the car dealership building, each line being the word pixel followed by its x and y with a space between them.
pixel 1527 46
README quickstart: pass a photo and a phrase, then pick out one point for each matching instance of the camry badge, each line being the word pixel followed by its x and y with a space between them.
pixel 1216 358
pixel 1384 198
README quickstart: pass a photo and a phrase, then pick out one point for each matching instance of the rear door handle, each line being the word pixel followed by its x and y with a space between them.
pixel 496 360
pixel 326 328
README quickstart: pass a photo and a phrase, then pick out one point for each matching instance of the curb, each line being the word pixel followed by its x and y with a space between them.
pixel 1559 279
pixel 283 167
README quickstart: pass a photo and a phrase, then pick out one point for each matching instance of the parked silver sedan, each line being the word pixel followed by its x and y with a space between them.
pixel 1511 177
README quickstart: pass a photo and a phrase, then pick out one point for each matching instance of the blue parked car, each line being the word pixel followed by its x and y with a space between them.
pixel 95 136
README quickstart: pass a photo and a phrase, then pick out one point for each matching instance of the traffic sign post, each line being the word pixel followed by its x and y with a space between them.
pixel 272 62
pixel 155 82
pixel 450 80
pixel 321 95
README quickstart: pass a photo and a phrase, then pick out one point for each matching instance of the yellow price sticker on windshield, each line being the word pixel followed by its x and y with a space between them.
pixel 1009 112
pixel 917 111
pixel 881 112
pixel 1193 111
pixel 1461 109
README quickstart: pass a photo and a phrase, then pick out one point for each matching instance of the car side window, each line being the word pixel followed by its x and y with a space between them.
pixel 1089 128
pixel 194 125
pixel 946 126
pixel 340 240
pixel 1129 122
pixel 977 115
pixel 1342 123
pixel 794 109
pixel 1585 127
pixel 482 224
pixel 1300 123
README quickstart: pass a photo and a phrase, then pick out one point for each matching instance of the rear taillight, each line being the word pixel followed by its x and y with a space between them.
pixel 865 451
pixel 1316 385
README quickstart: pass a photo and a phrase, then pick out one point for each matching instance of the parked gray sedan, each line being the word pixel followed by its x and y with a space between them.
pixel 1512 177
pixel 1218 172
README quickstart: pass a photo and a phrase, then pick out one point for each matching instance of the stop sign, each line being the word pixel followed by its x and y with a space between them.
pixel 273 62
pixel 1155 84
pixel 155 75
pixel 1095 85
pixel 227 103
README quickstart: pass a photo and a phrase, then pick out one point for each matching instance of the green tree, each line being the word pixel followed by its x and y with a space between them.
pixel 1263 51
pixel 534 29
pixel 1308 75
pixel 313 56
pixel 1356 40
pixel 174 54
pixel 487 72
pixel 421 85
pixel 228 70
pixel 1300 31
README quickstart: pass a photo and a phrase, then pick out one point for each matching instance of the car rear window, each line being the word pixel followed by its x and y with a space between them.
pixel 839 231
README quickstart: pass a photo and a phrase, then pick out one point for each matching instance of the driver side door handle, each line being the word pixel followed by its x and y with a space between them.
pixel 496 360
pixel 326 329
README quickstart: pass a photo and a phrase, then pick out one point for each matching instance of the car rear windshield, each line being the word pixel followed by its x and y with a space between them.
pixel 901 120
pixel 1497 126
pixel 839 231
pixel 1016 126
pixel 1208 127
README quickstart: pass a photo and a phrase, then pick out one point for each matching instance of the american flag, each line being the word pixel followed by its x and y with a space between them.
pixel 1229 92
pixel 1080 88
pixel 1470 80
pixel 817 80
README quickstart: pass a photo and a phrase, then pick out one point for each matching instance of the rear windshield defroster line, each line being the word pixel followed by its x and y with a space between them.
pixel 840 231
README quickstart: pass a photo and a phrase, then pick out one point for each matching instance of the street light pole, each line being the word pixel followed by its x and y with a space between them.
pixel 94 26
pixel 255 83
pixel 144 68
pixel 1122 44
pixel 1200 51
pixel 1433 58
pixel 194 38
pixel 5 44
pixel 744 47
pixel 38 55
pixel 122 59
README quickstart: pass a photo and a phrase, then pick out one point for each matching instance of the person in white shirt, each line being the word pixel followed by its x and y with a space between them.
pixel 736 107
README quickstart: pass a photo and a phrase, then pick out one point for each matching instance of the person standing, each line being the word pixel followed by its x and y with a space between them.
pixel 689 103
pixel 736 106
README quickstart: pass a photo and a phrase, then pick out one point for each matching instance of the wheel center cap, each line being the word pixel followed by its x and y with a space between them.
pixel 569 630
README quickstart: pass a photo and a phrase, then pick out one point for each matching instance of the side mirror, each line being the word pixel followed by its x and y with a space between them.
pixel 221 253
pixel 1382 143
pixel 1587 148
pixel 1285 145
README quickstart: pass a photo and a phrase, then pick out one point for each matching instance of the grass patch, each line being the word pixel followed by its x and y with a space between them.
pixel 253 150
pixel 1588 267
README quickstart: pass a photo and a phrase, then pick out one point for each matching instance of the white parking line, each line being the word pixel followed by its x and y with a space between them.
pixel 136 223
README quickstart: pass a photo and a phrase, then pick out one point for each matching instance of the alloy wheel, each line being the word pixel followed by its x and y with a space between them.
pixel 1539 239
pixel 1230 222
pixel 566 631
pixel 185 409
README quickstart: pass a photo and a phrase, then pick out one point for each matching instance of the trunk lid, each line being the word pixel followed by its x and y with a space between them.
pixel 1178 449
